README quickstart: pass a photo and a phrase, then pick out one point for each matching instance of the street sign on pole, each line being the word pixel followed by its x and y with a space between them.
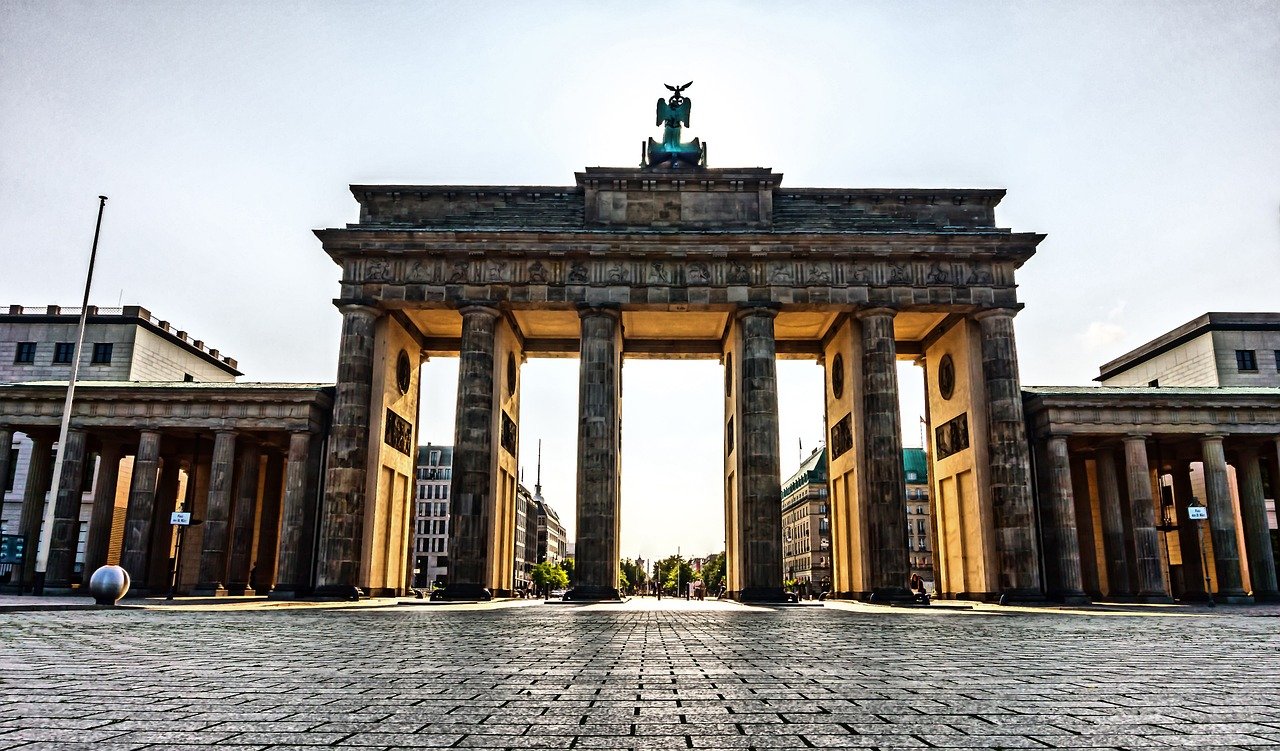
pixel 180 518
pixel 1197 513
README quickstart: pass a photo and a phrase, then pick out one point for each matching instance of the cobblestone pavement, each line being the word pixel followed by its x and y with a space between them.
pixel 636 676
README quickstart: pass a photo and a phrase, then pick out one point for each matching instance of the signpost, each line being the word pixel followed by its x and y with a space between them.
pixel 182 520
pixel 1200 513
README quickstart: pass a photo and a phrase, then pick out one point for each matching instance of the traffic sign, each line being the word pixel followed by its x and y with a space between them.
pixel 180 518
pixel 1197 512
pixel 12 548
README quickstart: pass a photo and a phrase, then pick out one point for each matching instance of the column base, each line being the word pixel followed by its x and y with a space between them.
pixel 765 594
pixel 457 592
pixel 887 595
pixel 1233 599
pixel 1266 596
pixel 238 589
pixel 1071 598
pixel 210 590
pixel 593 592
pixel 338 592
pixel 1022 597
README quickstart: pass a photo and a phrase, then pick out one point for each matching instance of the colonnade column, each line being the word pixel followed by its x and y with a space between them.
pixel 1009 463
pixel 1222 519
pixel 1257 535
pixel 213 551
pixel 269 532
pixel 66 512
pixel 39 477
pixel 142 500
pixel 886 518
pixel 293 516
pixel 342 525
pixel 242 524
pixel 1146 538
pixel 6 446
pixel 103 515
pixel 1113 544
pixel 599 449
pixel 1062 512
pixel 1189 542
pixel 759 490
pixel 471 486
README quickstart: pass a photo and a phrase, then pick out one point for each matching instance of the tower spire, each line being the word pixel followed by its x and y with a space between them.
pixel 537 484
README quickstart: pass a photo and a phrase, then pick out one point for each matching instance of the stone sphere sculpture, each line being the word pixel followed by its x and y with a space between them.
pixel 108 584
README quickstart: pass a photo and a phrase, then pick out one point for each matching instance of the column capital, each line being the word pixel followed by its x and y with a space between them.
pixel 611 309
pixel 480 308
pixel 879 310
pixel 979 315
pixel 756 309
pixel 1129 437
pixel 353 307
pixel 1211 437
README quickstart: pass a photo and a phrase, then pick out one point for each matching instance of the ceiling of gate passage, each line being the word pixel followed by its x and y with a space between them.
pixel 669 334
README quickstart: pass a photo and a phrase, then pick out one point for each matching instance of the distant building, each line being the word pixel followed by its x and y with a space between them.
pixel 1216 349
pixel 431 516
pixel 549 539
pixel 526 539
pixel 915 465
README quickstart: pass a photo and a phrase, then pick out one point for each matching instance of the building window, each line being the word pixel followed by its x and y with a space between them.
pixel 1278 361
pixel 1154 384
pixel 1246 360
pixel 13 471
pixel 188 378
pixel 62 352
pixel 102 353
pixel 26 353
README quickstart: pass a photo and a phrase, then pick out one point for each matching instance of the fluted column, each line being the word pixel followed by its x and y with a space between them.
pixel 164 534
pixel 103 515
pixel 1189 542
pixel 1257 535
pixel 243 519
pixel 217 510
pixel 888 558
pixel 1146 538
pixel 1009 466
pixel 1062 521
pixel 1222 519
pixel 66 512
pixel 288 571
pixel 142 499
pixel 760 492
pixel 39 478
pixel 1115 550
pixel 338 569
pixel 599 447
pixel 472 484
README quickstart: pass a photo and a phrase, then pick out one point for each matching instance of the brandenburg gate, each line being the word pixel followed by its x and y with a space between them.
pixel 675 259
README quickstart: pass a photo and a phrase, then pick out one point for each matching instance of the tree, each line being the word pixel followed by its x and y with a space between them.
pixel 567 565
pixel 674 572
pixel 549 576
pixel 630 574
pixel 713 572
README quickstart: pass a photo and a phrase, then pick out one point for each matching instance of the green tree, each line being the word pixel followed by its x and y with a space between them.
pixel 713 572
pixel 630 574
pixel 549 576
pixel 674 573
pixel 568 566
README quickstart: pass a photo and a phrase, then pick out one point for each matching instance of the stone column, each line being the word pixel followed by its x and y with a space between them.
pixel 104 508
pixel 6 445
pixel 139 516
pixel 243 519
pixel 1189 541
pixel 1257 535
pixel 472 484
pixel 288 573
pixel 268 548
pixel 599 448
pixel 1146 538
pixel 1061 506
pixel 213 551
pixel 759 495
pixel 1115 550
pixel 39 478
pixel 1222 520
pixel 887 555
pixel 1009 463
pixel 66 512
pixel 342 526
pixel 164 534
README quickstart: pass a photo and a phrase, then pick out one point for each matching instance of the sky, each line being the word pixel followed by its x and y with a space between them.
pixel 1142 138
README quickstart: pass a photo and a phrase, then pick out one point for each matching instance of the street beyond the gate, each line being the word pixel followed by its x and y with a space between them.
pixel 640 675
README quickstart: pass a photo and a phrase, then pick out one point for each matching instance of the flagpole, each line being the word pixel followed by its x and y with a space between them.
pixel 46 521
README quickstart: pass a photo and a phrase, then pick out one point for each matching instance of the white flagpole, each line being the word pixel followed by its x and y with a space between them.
pixel 46 521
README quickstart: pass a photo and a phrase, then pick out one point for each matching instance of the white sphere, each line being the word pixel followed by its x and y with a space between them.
pixel 108 584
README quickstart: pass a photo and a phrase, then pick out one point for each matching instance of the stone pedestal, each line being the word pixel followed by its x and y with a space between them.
pixel 1063 545
pixel 102 517
pixel 1222 522
pixel 887 556
pixel 1119 575
pixel 213 553
pixel 1146 538
pixel 1010 465
pixel 471 487
pixel 1257 534
pixel 759 504
pixel 599 449
pixel 288 571
pixel 338 567
pixel 140 514
pixel 66 513
pixel 243 520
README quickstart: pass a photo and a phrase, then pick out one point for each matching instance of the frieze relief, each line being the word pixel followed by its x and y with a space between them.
pixel 719 272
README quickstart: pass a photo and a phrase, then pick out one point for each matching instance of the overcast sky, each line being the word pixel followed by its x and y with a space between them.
pixel 1143 138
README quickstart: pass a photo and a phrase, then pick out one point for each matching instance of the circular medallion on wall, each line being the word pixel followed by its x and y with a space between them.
pixel 511 374
pixel 404 372
pixel 837 376
pixel 946 377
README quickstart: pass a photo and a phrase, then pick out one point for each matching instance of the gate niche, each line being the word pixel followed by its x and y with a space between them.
pixel 674 259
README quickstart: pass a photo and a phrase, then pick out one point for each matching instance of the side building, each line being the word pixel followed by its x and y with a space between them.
pixel 431 516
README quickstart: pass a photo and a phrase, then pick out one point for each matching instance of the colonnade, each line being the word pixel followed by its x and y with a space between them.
pixel 1116 521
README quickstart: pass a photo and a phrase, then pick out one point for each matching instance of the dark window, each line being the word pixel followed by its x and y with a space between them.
pixel 188 378
pixel 1246 359
pixel 13 470
pixel 102 353
pixel 1154 384
pixel 62 352
pixel 1278 361
pixel 26 352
